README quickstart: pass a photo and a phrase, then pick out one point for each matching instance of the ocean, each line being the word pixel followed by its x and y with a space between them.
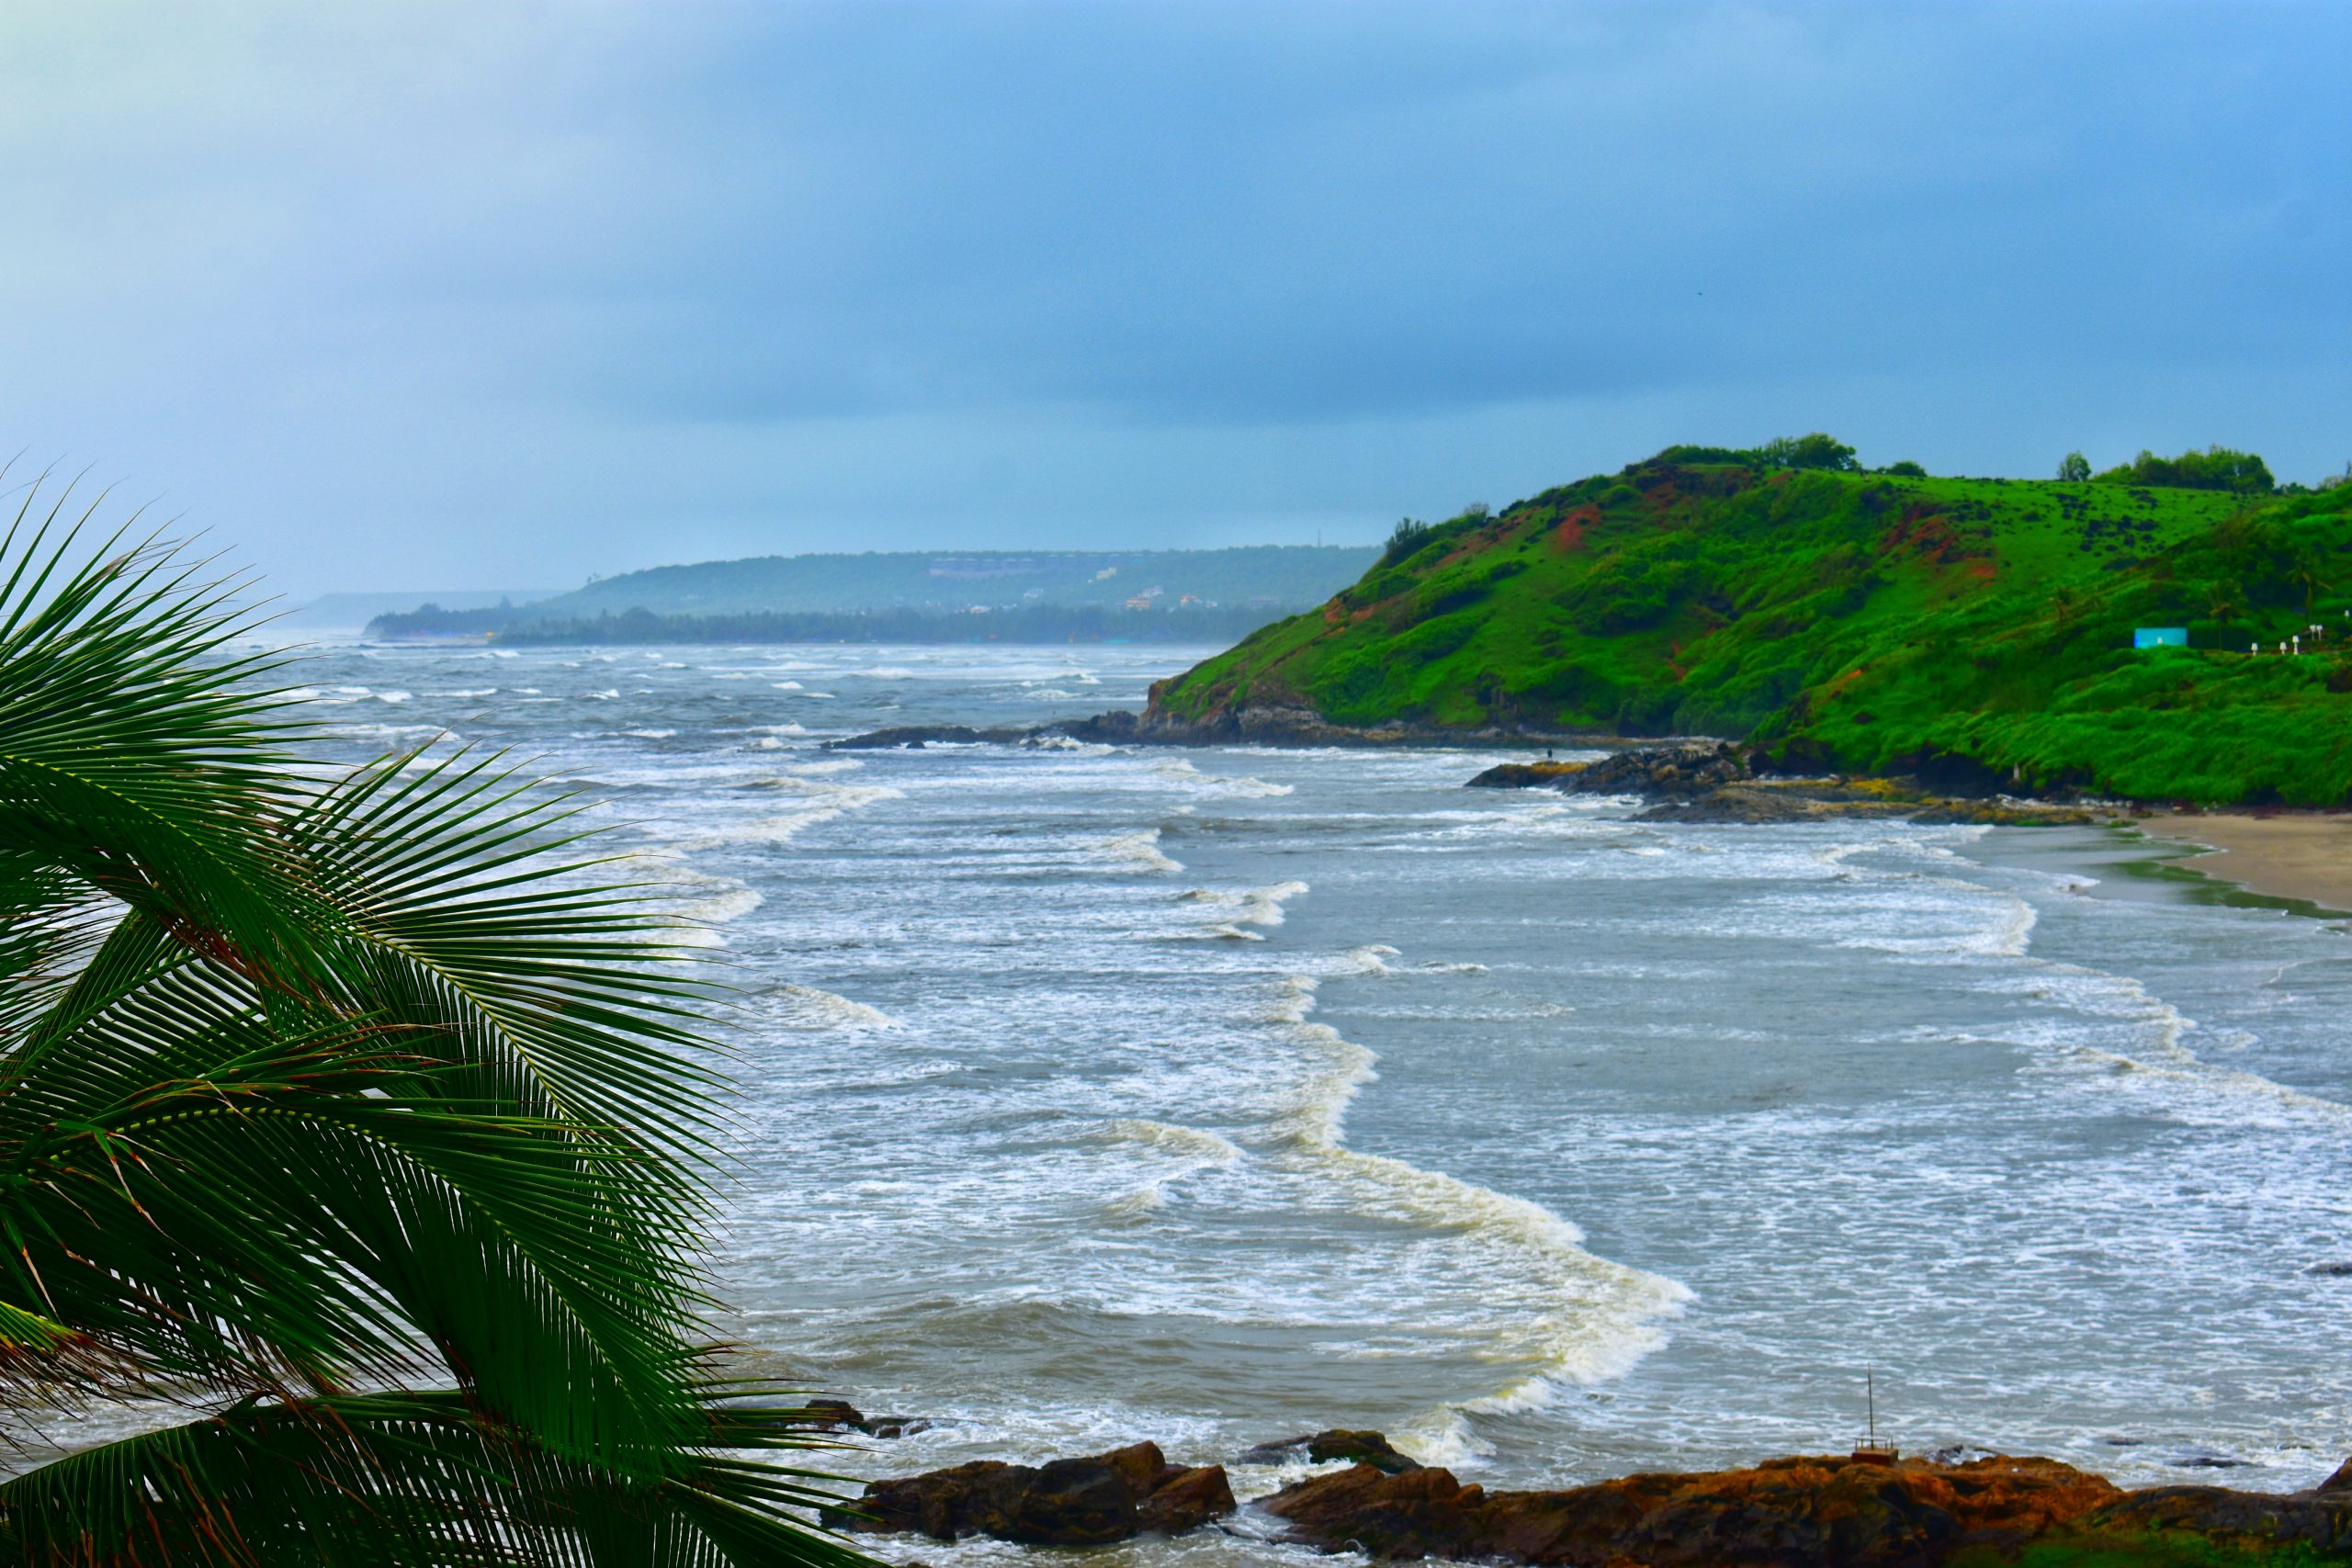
pixel 1216 1096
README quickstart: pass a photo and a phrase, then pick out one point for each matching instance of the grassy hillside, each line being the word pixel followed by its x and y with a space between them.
pixel 1864 621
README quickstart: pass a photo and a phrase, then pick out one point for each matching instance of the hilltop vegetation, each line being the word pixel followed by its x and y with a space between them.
pixel 1861 621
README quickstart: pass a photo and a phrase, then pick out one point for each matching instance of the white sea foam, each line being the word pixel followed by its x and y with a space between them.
pixel 1180 772
pixel 811 801
pixel 2158 1055
pixel 1249 907
pixel 1136 852
pixel 2002 930
pixel 806 1006
pixel 1182 1152
pixel 1575 1317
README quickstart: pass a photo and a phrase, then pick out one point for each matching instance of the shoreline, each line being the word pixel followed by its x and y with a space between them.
pixel 2305 856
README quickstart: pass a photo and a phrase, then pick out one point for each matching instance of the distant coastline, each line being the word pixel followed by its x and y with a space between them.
pixel 1211 627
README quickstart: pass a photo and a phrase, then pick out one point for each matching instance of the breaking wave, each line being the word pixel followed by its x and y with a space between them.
pixel 1136 852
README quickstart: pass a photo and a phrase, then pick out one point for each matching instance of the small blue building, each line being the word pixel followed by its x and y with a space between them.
pixel 2160 637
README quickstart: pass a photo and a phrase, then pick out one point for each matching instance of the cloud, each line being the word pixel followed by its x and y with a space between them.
pixel 498 287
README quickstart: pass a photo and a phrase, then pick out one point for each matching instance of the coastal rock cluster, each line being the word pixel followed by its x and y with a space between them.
pixel 1714 783
pixel 1069 1502
pixel 1240 726
pixel 1784 1513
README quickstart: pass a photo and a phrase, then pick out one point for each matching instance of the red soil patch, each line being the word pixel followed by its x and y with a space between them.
pixel 1930 535
pixel 1568 537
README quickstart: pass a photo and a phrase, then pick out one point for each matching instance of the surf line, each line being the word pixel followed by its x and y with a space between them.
pixel 1572 1318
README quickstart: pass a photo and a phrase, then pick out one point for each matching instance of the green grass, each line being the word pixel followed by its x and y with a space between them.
pixel 1864 622
pixel 2166 1549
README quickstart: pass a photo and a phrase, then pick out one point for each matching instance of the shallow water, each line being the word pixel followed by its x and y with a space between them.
pixel 1215 1096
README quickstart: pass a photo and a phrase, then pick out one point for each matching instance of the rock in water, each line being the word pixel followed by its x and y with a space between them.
pixel 1069 1502
pixel 1340 1443
pixel 1796 1511
pixel 841 1416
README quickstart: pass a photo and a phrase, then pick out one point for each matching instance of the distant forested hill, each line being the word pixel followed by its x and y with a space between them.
pixel 1264 576
pixel 1864 621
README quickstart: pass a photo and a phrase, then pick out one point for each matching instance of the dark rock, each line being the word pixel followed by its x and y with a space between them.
pixel 1068 1502
pixel 1718 783
pixel 1526 775
pixel 1339 1443
pixel 1661 772
pixel 841 1416
pixel 2340 1481
pixel 1736 805
pixel 1188 1499
pixel 2333 1270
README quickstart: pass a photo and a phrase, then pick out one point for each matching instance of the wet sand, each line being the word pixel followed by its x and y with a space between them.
pixel 2292 855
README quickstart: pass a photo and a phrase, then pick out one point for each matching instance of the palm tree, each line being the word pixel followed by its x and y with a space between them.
pixel 2225 600
pixel 352 1137
pixel 2304 572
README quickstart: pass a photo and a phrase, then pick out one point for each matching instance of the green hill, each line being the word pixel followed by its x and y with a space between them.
pixel 1865 622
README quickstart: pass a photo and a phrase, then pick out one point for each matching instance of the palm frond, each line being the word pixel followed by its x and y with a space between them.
pixel 310 1088
pixel 400 1479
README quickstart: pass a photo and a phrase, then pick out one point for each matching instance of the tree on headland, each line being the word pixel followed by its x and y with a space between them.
pixel 351 1137
pixel 2073 468
pixel 1409 535
pixel 1814 451
pixel 2216 468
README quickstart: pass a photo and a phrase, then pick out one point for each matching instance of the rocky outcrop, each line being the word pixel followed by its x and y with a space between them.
pixel 1787 1513
pixel 831 1416
pixel 1069 1502
pixel 1338 1444
pixel 2319 1519
pixel 1720 783
pixel 1241 726
pixel 1793 1511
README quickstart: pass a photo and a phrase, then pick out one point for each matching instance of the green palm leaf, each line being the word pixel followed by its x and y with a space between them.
pixel 371 1116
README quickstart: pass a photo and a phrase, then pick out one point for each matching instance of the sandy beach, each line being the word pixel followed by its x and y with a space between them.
pixel 2291 855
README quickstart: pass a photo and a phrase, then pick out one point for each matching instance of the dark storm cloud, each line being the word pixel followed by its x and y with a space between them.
pixel 510 286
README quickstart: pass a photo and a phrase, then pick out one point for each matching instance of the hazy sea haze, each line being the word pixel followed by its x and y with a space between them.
pixel 1215 1096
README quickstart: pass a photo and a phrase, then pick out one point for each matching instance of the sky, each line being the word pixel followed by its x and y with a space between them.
pixel 496 296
